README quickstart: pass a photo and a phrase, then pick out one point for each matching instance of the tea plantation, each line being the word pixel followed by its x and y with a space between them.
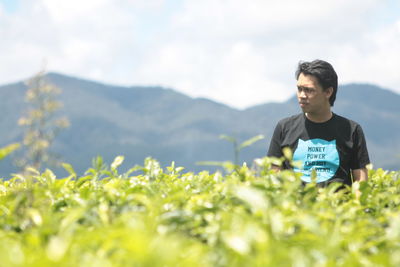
pixel 150 216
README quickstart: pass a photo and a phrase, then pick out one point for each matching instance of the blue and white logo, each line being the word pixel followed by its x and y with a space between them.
pixel 319 155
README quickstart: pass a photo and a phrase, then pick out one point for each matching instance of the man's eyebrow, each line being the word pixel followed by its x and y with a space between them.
pixel 305 87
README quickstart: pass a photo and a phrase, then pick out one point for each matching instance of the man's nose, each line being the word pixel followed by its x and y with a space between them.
pixel 302 94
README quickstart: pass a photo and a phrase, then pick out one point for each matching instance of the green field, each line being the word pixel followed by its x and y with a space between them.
pixel 152 216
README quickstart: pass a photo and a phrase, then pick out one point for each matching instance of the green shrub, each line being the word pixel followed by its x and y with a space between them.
pixel 168 217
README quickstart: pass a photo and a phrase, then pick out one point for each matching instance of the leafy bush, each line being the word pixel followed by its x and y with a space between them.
pixel 167 217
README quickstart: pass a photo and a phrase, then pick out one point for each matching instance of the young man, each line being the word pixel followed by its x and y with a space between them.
pixel 331 145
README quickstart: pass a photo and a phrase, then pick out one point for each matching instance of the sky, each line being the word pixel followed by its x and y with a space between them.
pixel 240 53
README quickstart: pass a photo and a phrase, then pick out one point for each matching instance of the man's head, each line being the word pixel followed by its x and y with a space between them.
pixel 324 74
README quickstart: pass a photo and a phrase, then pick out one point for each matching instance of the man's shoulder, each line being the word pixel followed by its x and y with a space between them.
pixel 343 120
pixel 292 119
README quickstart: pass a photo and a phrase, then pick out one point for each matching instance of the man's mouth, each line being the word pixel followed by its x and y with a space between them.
pixel 302 104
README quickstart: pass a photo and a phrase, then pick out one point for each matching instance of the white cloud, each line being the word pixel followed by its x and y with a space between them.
pixel 376 58
pixel 68 11
pixel 385 61
pixel 234 74
pixel 237 52
pixel 243 54
pixel 73 37
pixel 237 18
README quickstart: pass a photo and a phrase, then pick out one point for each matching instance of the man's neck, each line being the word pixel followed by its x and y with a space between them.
pixel 320 117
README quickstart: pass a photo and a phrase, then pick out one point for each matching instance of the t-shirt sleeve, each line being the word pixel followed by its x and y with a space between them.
pixel 275 149
pixel 360 157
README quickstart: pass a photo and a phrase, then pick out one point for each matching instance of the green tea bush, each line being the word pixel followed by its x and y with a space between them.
pixel 150 216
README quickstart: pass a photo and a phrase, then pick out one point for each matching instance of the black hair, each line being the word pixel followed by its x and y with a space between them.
pixel 324 73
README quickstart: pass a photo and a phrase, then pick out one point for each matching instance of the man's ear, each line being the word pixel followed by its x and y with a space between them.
pixel 329 92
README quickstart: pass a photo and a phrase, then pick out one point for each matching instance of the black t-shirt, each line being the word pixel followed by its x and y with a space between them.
pixel 332 148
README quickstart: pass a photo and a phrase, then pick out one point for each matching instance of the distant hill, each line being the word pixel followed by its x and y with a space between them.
pixel 138 122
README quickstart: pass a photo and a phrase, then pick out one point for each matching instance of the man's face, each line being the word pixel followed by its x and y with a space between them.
pixel 310 94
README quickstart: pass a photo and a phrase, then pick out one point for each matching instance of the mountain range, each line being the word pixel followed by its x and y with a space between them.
pixel 138 122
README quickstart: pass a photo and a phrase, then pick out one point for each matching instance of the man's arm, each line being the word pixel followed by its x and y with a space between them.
pixel 276 167
pixel 275 149
pixel 360 157
pixel 360 175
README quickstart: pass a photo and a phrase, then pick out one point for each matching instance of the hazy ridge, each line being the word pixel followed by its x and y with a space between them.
pixel 138 122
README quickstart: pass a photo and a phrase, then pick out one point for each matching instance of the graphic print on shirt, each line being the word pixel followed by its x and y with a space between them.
pixel 317 154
